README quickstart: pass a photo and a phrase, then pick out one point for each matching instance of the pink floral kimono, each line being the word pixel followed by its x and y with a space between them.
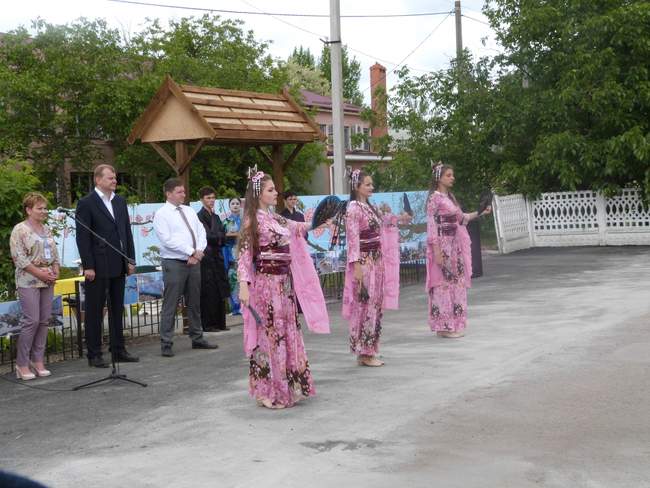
pixel 279 370
pixel 447 284
pixel 373 241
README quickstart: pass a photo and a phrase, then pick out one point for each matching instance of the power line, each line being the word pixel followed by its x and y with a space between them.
pixel 476 20
pixel 392 63
pixel 465 7
pixel 278 14
pixel 412 51
pixel 261 12
pixel 321 37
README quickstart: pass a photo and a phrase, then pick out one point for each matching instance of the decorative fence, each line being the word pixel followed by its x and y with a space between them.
pixel 580 218
pixel 65 334
pixel 142 318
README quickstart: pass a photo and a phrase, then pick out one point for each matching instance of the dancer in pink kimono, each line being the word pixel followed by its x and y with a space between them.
pixel 372 273
pixel 275 266
pixel 449 256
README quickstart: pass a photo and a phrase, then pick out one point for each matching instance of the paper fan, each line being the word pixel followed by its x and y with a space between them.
pixel 326 209
pixel 407 204
pixel 484 201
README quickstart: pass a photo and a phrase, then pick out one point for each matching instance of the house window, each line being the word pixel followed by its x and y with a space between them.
pixel 330 135
pixel 358 131
pixel 366 139
pixel 81 182
pixel 347 138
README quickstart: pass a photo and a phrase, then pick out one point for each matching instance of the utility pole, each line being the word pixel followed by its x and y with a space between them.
pixel 460 68
pixel 337 96
pixel 459 32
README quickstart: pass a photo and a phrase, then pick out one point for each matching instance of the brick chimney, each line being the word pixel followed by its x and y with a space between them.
pixel 378 101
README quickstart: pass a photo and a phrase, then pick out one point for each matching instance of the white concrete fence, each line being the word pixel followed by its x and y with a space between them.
pixel 579 218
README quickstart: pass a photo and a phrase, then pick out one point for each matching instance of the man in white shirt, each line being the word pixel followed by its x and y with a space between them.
pixel 182 241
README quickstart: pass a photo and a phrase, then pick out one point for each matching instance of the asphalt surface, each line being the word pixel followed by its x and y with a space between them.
pixel 549 388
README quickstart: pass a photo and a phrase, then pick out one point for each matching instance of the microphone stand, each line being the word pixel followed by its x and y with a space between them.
pixel 115 366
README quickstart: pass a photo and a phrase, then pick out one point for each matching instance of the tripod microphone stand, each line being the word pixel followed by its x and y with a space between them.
pixel 115 374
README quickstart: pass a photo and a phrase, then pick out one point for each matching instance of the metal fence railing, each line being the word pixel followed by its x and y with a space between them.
pixel 410 272
pixel 63 341
pixel 143 319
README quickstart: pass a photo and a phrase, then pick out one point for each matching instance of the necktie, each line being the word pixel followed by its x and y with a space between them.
pixel 187 224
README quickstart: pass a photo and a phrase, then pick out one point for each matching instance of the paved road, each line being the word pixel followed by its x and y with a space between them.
pixel 550 388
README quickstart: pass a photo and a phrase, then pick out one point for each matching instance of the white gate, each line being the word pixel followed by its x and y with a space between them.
pixel 511 222
pixel 580 218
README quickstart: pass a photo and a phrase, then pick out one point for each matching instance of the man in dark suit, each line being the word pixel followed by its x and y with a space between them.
pixel 107 215
pixel 215 288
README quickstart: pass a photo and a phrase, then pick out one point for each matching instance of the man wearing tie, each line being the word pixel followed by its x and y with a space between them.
pixel 107 215
pixel 182 241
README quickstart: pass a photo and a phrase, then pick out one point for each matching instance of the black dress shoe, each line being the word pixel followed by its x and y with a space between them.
pixel 225 327
pixel 125 357
pixel 203 344
pixel 97 362
pixel 166 351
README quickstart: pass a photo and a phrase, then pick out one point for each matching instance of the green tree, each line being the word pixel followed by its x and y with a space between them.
pixel 566 107
pixel 440 123
pixel 573 93
pixel 309 158
pixel 303 57
pixel 351 73
pixel 55 89
pixel 69 92
pixel 16 179
pixel 301 77
pixel 205 51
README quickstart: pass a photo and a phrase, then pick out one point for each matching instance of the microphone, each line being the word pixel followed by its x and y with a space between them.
pixel 72 214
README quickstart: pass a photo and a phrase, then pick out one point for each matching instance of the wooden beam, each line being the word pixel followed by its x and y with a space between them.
pixel 263 137
pixel 181 154
pixel 299 109
pixel 230 93
pixel 260 128
pixel 293 154
pixel 160 150
pixel 181 159
pixel 285 117
pixel 265 155
pixel 278 171
pixel 233 105
pixel 194 152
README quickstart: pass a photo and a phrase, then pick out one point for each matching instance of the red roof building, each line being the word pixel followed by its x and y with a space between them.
pixel 358 151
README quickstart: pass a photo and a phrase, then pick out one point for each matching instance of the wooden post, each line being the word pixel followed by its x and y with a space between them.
pixel 278 172
pixel 181 159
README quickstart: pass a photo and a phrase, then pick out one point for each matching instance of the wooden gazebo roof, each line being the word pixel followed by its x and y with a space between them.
pixel 186 114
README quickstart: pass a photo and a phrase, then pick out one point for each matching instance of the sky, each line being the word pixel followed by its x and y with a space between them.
pixel 385 40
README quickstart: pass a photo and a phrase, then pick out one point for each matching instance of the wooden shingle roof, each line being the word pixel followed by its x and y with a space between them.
pixel 220 116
